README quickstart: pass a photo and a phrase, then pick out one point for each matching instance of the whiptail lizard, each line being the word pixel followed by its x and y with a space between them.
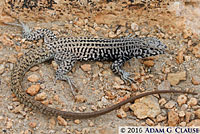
pixel 66 51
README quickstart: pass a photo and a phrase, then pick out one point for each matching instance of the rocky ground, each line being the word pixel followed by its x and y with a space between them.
pixel 97 86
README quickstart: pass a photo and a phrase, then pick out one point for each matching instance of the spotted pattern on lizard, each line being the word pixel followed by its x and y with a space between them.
pixel 66 51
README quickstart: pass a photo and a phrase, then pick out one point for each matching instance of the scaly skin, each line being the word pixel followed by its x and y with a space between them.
pixel 45 52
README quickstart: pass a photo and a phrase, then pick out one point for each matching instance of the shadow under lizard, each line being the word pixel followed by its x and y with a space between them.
pixel 66 51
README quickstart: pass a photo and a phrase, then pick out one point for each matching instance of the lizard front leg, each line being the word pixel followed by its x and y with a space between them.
pixel 65 64
pixel 116 68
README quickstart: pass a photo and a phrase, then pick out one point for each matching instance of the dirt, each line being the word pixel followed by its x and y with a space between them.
pixel 97 86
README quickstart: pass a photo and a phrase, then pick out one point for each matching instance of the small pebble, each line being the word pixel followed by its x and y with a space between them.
pixel 2 59
pixel 149 63
pixel 175 78
pixel 106 73
pixel 173 118
pixel 150 122
pixel 162 101
pixel 6 40
pixel 146 107
pixel 109 95
pixel 170 104
pixel 188 116
pixel 184 107
pixel 192 102
pixel 181 113
pixel 56 98
pixel 61 121
pixel 77 121
pixel 33 78
pixel 134 87
pixel 134 27
pixel 79 22
pixel 182 99
pixel 160 118
pixel 121 87
pixel 9 124
pixel 10 107
pixel 32 124
pixel 12 59
pixel 80 98
pixel 94 108
pixel 197 113
pixel 41 96
pixel 179 57
pixel 196 51
pixel 111 34
pixel 182 124
pixel 86 67
pixel 33 89
pixel 35 68
pixel 42 86
pixel 126 107
pixel 195 80
pixel 193 123
pixel 121 113
pixel 2 68
pixel 100 64
pixel 188 58
pixel 46 102
pixel 91 124
pixel 82 108
pixel 68 131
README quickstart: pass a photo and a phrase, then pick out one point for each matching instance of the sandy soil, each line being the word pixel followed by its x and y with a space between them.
pixel 97 86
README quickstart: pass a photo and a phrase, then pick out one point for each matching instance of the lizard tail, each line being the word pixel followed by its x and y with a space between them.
pixel 41 54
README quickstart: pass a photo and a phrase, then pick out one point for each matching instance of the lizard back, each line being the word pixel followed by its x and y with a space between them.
pixel 97 49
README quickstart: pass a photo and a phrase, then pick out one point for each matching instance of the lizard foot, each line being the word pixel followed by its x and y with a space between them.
pixel 125 76
pixel 69 80
pixel 25 29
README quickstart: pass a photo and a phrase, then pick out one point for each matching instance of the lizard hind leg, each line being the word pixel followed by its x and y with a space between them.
pixel 25 28
pixel 116 68
pixel 31 35
pixel 65 64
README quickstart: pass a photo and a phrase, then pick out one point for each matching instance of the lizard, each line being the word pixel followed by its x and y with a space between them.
pixel 67 50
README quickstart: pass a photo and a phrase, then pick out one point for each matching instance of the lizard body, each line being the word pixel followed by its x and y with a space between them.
pixel 66 51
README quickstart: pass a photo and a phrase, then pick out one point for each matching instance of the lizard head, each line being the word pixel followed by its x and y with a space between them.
pixel 153 46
